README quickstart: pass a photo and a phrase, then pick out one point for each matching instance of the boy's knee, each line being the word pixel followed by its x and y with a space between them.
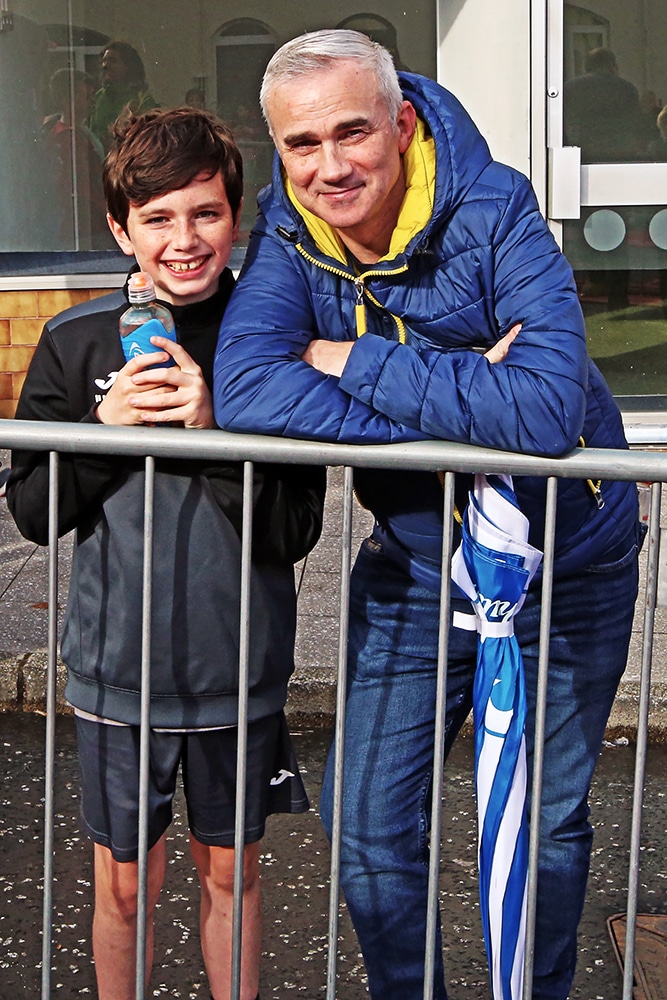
pixel 116 882
pixel 216 867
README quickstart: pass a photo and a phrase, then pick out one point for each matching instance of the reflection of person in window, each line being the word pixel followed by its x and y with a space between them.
pixel 195 98
pixel 123 86
pixel 658 148
pixel 76 156
pixel 601 112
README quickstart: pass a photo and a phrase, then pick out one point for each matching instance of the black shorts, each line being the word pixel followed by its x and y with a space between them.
pixel 109 768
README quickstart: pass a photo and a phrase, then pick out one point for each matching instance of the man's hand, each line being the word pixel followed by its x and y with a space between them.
pixel 328 356
pixel 160 395
pixel 500 350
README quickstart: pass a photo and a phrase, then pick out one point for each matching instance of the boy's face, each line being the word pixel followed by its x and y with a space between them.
pixel 183 239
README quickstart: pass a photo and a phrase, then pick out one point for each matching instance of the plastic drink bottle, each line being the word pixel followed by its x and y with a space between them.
pixel 144 319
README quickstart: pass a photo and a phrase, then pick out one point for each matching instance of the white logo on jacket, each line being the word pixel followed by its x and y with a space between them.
pixel 104 384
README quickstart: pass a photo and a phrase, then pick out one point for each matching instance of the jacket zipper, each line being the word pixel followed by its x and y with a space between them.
pixel 359 284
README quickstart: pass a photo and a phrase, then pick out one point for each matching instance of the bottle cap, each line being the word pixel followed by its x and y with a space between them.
pixel 140 288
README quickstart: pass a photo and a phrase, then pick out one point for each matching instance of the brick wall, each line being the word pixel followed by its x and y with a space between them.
pixel 22 316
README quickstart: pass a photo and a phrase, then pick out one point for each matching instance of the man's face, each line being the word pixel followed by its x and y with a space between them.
pixel 113 67
pixel 183 239
pixel 342 152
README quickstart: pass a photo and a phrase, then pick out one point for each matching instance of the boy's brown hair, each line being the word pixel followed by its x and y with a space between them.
pixel 161 151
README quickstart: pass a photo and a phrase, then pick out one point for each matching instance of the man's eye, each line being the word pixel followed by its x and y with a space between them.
pixel 353 135
pixel 156 220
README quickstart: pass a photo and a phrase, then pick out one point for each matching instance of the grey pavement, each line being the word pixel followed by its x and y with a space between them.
pixel 23 628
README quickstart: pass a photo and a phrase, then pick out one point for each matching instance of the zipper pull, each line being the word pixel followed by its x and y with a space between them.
pixel 360 309
pixel 597 492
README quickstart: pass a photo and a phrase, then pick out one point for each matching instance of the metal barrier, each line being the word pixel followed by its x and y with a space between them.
pixel 152 443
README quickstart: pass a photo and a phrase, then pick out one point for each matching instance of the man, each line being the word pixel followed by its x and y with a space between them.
pixel 389 245
pixel 602 113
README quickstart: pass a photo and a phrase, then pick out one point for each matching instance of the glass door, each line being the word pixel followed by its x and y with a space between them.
pixel 607 137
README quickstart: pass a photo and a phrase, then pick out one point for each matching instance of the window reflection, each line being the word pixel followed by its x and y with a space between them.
pixel 68 67
pixel 615 74
pixel 614 110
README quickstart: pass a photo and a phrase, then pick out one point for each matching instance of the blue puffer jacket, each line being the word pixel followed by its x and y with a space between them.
pixel 484 261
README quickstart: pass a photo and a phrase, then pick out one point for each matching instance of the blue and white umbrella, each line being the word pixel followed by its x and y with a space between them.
pixel 493 566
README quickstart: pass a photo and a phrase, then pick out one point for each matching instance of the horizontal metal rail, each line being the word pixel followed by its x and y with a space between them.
pixel 171 442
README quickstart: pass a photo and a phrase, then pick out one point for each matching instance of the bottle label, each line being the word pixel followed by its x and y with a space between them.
pixel 138 341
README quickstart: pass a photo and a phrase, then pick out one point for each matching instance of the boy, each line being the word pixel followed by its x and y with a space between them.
pixel 173 186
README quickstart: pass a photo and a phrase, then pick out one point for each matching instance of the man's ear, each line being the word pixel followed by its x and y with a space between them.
pixel 120 236
pixel 406 122
pixel 237 221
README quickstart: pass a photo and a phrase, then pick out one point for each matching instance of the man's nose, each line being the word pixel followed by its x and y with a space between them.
pixel 333 164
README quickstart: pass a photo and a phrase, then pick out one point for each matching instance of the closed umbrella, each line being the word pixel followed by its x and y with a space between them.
pixel 493 566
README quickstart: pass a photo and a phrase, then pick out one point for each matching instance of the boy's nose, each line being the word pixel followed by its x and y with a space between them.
pixel 185 235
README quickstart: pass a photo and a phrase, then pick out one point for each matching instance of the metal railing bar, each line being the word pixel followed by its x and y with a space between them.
pixel 144 731
pixel 538 743
pixel 242 730
pixel 50 739
pixel 646 435
pixel 172 442
pixel 341 694
pixel 439 739
pixel 642 739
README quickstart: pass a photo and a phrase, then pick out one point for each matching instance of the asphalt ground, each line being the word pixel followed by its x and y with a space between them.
pixel 295 878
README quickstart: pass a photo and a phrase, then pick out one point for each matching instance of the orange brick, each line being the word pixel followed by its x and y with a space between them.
pixel 6 386
pixel 51 301
pixel 7 408
pixel 17 384
pixel 15 359
pixel 4 331
pixel 25 331
pixel 18 304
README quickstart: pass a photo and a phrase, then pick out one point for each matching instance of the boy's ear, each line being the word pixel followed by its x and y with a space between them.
pixel 237 221
pixel 120 236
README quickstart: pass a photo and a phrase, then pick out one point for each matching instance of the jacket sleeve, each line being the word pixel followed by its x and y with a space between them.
pixel 261 385
pixel 533 402
pixel 82 480
pixel 288 507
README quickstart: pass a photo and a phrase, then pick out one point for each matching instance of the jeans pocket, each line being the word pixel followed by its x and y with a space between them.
pixel 616 564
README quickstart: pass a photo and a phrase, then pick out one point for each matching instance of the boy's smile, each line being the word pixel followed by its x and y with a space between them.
pixel 183 239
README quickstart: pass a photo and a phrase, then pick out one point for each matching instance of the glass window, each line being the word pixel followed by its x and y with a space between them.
pixel 615 109
pixel 67 68
pixel 614 73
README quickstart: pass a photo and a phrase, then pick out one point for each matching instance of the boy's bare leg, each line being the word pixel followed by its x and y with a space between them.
pixel 115 919
pixel 215 866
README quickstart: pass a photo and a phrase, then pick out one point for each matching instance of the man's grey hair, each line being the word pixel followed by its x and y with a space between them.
pixel 319 50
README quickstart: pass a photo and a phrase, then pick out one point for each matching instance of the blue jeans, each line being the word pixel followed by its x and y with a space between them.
pixel 389 758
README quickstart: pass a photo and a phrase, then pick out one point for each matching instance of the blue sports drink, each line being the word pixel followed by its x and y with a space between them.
pixel 144 319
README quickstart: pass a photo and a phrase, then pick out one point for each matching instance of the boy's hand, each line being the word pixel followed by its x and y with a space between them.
pixel 178 394
pixel 160 395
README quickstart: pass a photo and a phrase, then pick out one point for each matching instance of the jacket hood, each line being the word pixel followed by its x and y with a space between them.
pixel 461 156
pixel 461 151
